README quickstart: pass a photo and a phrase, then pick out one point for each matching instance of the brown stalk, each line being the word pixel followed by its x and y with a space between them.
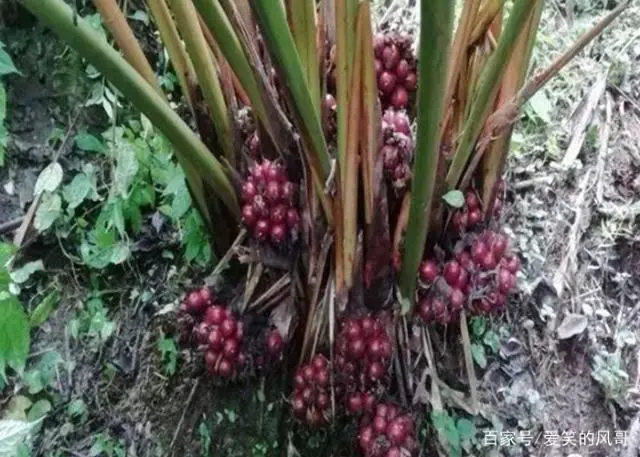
pixel 117 24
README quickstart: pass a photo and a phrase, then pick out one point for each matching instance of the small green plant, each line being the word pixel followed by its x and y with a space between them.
pixel 169 354
pixel 6 67
pixel 104 445
pixel 608 370
pixel 92 321
pixel 458 432
pixel 483 339
pixel 204 433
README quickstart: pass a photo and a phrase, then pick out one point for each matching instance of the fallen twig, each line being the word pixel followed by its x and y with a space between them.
pixel 468 362
pixel 604 149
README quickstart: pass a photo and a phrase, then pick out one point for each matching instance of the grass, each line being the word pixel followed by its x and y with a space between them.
pixel 123 242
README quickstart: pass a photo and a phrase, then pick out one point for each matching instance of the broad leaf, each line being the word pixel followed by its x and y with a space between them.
pixel 454 198
pixel 13 434
pixel 87 142
pixel 49 179
pixel 14 336
pixel 22 274
pixel 49 210
pixel 6 64
pixel 44 309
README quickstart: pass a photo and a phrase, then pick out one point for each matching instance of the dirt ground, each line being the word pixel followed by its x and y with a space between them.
pixel 565 379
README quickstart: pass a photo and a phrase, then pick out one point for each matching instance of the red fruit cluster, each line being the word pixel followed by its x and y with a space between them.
pixel 389 433
pixel 397 147
pixel 311 399
pixel 395 70
pixel 274 344
pixel 268 203
pixel 363 350
pixel 484 271
pixel 471 215
pixel 216 331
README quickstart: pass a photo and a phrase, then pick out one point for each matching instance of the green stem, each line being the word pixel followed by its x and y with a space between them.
pixel 83 38
pixel 435 38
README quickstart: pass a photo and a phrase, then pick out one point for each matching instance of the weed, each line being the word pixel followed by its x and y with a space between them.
pixel 104 445
pixel 168 353
pixel 483 339
pixel 458 432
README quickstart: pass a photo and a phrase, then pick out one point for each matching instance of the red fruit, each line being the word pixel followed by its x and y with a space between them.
pixel 275 343
pixel 464 258
pixel 478 251
pixel 319 362
pixel 240 332
pixel 385 348
pixel 499 246
pixel 459 221
pixel 428 271
pixel 307 395
pixel 397 431
pixel 401 173
pixel 474 218
pixel 272 192
pixel 500 301
pixel 392 412
pixel 257 174
pixel 400 98
pixel 504 280
pixel 215 339
pixel 378 45
pixel 330 103
pixel 411 81
pixel 369 402
pixel 472 201
pixel 390 57
pixel 249 191
pixel 394 452
pixel 375 348
pixel 242 358
pixel 215 315
pixel 231 349
pixel 402 124
pixel 382 410
pixel 279 214
pixel 356 348
pixel 314 418
pixel 489 261
pixel 451 272
pixel 379 424
pixel 298 407
pixel 210 359
pixel 249 215
pixel 463 279
pixel 276 173
pixel 225 368
pixel 322 401
pixel 497 206
pixel 376 371
pixel 354 404
pixel 278 234
pixel 260 207
pixel 402 70
pixel 353 328
pixel 202 333
pixel 262 230
pixel 229 327
pixel 366 438
pixel 308 373
pixel 378 65
pixel 483 305
pixel 513 264
pixel 206 295
pixel 298 381
pixel 349 368
pixel 195 303
pixel 390 157
pixel 293 219
pixel 456 298
pixel 367 324
pixel 425 310
pixel 287 192
pixel 387 82
pixel 438 308
pixel 322 377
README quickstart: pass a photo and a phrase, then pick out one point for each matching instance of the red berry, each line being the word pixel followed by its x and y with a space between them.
pixel 378 45
pixel 451 272
pixel 379 424
pixel 322 401
pixel 428 271
pixel 402 70
pixel 308 373
pixel 489 261
pixel 504 280
pixel 215 315
pixel 298 381
pixel 402 124
pixel 397 431
pixel 513 264
pixel 356 348
pixel 279 214
pixel 369 402
pixel 385 348
pixel 195 304
pixel 330 102
pixel 353 328
pixel 231 349
pixel 392 412
pixel 390 157
pixel 463 279
pixel 365 438
pixel 262 230
pixel 210 359
pixel 272 192
pixel 400 98
pixel 382 410
pixel 215 339
pixel 275 343
pixel 257 175
pixel 474 218
pixel 478 251
pixel 206 295
pixel 499 246
pixel 464 258
pixel 229 327
pixel 319 362
pixel 225 368
pixel 456 298
pixel 249 215
pixel 378 66
pixel 411 81
pixel 293 219
pixel 287 192
pixel 438 308
pixel 390 57
pixel 298 406
pixel 202 333
pixel 394 452
pixel 472 201
pixel 242 358
pixel 387 82
pixel 367 324
pixel 249 191
pixel 376 371
pixel 276 173
pixel 260 207
pixel 354 404
pixel 307 395
pixel 322 377
pixel 425 310
pixel 375 348
pixel 278 234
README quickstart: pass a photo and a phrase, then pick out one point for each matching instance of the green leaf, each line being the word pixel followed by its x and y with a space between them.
pixel 49 179
pixel 14 336
pixel 39 410
pixel 77 408
pixel 44 309
pixel 454 198
pixel 120 253
pixel 3 102
pixel 13 434
pixel 541 106
pixel 22 274
pixel 48 211
pixel 78 190
pixel 126 168
pixel 6 64
pixel 478 326
pixel 466 429
pixel 87 142
pixel 17 408
pixel 477 350
pixel 492 340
